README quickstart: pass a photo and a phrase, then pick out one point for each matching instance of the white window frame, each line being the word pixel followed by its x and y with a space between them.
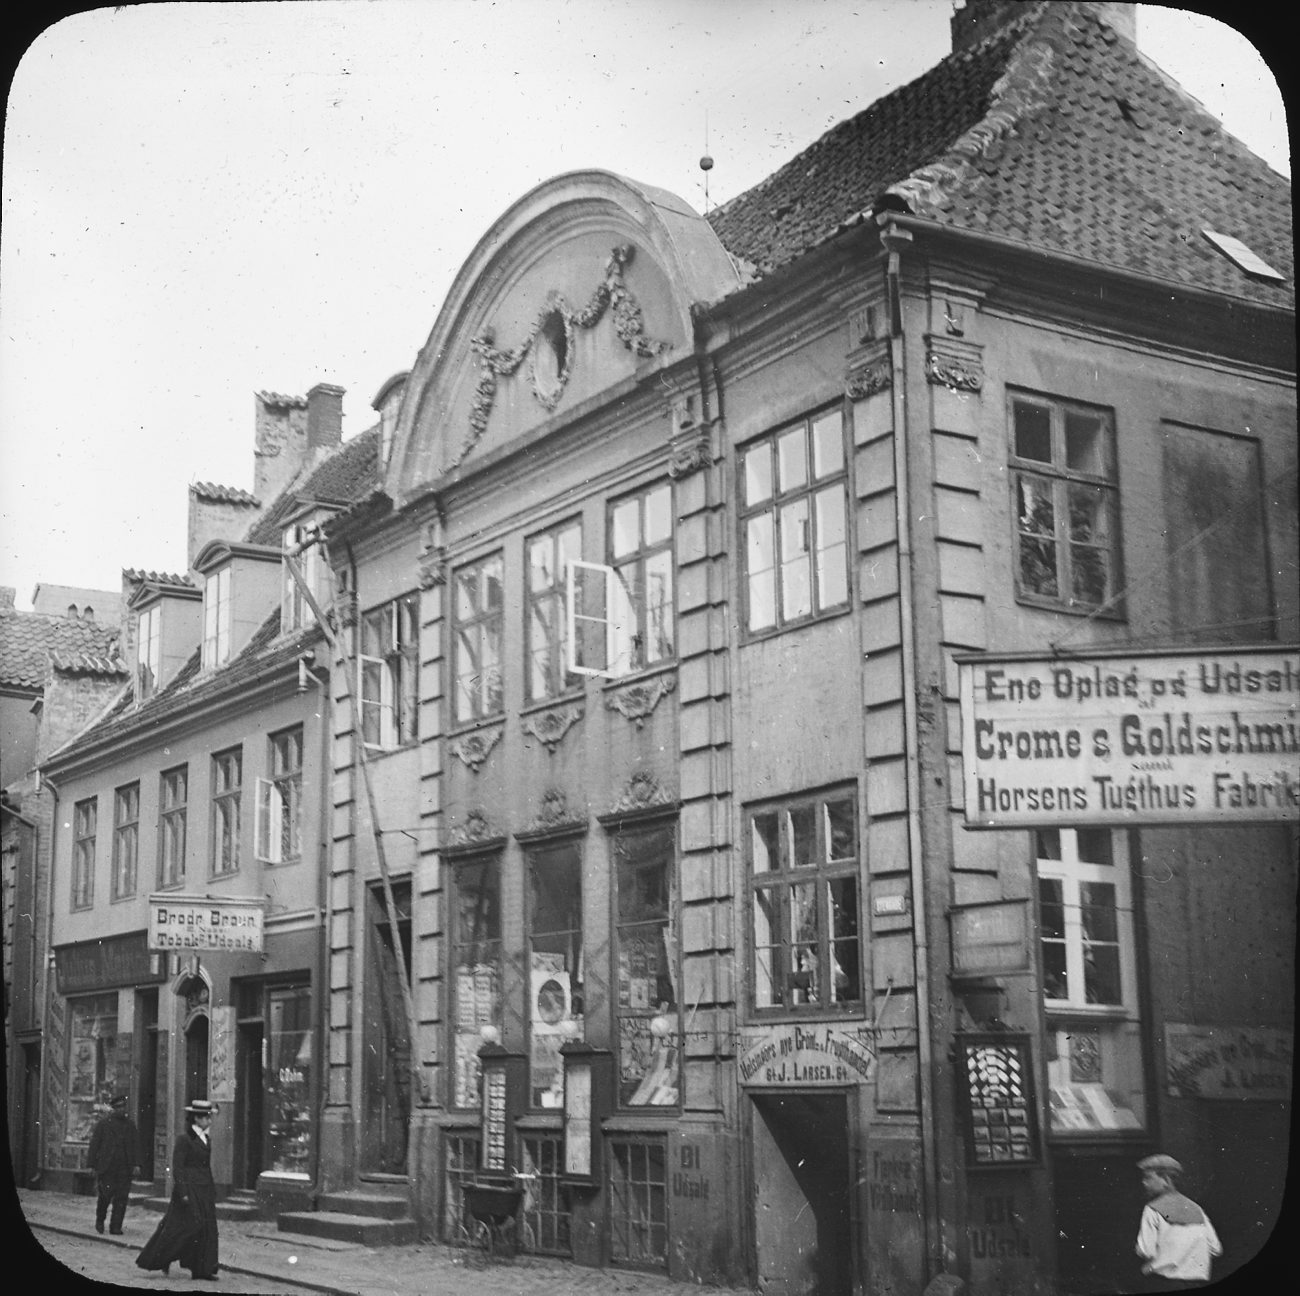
pixel 1118 1024
pixel 216 618
pixel 148 651
pixel 296 612
pixel 271 807
pixel 616 621
pixel 1072 872
pixel 400 658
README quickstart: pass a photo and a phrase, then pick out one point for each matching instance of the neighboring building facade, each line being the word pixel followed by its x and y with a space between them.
pixel 58 667
pixel 684 530
pixel 202 785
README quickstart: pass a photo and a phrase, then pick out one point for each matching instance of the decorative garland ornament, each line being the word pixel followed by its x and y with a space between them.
pixel 553 361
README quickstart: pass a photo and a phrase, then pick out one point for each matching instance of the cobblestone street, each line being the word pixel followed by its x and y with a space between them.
pixel 257 1258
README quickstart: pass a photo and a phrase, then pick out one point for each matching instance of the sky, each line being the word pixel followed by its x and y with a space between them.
pixel 203 201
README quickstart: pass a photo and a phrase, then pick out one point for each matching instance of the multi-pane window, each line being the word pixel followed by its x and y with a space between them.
pixel 389 668
pixel 621 615
pixel 546 644
pixel 555 1012
pixel 478 639
pixel 476 957
pixel 216 618
pixel 1089 981
pixel 546 1214
pixel 148 651
pixel 279 801
pixel 85 818
pixel 646 999
pixel 296 611
pixel 1066 502
pixel 126 839
pixel 804 898
pixel 173 800
pixel 227 786
pixel 794 504
pixel 638 1207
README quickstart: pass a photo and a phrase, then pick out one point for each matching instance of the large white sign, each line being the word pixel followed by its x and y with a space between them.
pixel 1190 737
pixel 192 923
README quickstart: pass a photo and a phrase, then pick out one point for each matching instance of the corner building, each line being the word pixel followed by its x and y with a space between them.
pixel 686 526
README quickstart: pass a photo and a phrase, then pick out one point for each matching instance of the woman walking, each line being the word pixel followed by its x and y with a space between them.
pixel 187 1233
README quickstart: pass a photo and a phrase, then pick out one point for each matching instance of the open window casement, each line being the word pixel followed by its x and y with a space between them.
pixel 378 724
pixel 601 621
pixel 267 836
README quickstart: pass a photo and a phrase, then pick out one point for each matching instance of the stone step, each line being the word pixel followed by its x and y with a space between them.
pixel 236 1206
pixel 342 1227
pixel 382 1205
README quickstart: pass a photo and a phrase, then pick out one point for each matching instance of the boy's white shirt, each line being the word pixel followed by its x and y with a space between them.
pixel 1176 1250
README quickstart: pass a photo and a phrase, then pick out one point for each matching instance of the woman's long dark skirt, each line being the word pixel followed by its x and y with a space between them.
pixel 186 1235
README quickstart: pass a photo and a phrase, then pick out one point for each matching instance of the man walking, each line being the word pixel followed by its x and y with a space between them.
pixel 112 1156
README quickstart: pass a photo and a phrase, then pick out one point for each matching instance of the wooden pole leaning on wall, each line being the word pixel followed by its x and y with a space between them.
pixel 345 661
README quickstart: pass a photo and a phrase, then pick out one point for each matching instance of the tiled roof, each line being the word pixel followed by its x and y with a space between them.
pixel 281 401
pixel 87 664
pixel 1054 132
pixel 191 686
pixel 155 578
pixel 348 475
pixel 223 494
pixel 29 639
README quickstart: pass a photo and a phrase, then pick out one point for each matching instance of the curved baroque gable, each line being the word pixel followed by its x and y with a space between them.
pixel 575 288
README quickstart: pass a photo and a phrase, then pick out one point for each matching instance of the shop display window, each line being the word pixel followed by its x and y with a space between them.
pixel 289 1081
pixel 646 998
pixel 1094 1054
pixel 92 1045
pixel 476 958
pixel 555 1013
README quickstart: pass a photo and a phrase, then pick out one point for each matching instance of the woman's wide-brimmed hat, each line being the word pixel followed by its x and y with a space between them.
pixel 202 1107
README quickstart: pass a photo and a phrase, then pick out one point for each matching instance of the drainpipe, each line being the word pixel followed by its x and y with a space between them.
pixel 894 241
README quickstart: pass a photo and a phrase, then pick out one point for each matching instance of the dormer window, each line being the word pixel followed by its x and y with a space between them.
pixel 297 612
pixel 216 618
pixel 148 651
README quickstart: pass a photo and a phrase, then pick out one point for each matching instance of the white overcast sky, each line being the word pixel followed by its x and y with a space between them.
pixel 202 201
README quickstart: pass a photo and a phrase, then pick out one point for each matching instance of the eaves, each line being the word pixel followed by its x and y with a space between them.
pixel 1235 327
pixel 82 757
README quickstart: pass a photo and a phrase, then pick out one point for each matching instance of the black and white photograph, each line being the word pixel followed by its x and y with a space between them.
pixel 649 647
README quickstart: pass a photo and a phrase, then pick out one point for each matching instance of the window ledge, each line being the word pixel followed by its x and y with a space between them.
pixel 1069 609
pixel 748 637
pixel 1088 1012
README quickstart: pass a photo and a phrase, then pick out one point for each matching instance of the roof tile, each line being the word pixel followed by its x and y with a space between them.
pixel 29 641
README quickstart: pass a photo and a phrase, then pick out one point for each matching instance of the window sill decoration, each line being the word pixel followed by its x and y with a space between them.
pixel 870 380
pixel 637 701
pixel 554 818
pixel 553 360
pixel 643 792
pixel 474 831
pixel 549 727
pixel 472 748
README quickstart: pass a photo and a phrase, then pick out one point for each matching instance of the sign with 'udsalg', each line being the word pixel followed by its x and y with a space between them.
pixel 192 923
pixel 1187 737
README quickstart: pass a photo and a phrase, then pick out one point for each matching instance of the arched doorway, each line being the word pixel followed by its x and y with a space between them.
pixel 194 990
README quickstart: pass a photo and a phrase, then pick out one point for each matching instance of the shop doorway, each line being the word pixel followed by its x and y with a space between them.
pixel 804 1222
pixel 248 1105
pixel 147 1110
pixel 29 1159
pixel 387 1054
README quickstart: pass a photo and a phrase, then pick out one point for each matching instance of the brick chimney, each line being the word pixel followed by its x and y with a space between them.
pixel 324 417
pixel 217 513
pixel 977 19
pixel 7 596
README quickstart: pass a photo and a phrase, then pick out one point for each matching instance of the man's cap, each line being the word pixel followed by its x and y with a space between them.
pixel 117 1101
pixel 202 1107
pixel 1161 1164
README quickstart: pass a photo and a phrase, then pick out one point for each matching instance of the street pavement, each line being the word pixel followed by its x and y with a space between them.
pixel 257 1258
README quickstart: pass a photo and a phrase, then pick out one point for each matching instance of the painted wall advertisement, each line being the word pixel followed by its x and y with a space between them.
pixel 1230 1063
pixel 1186 737
pixel 178 922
